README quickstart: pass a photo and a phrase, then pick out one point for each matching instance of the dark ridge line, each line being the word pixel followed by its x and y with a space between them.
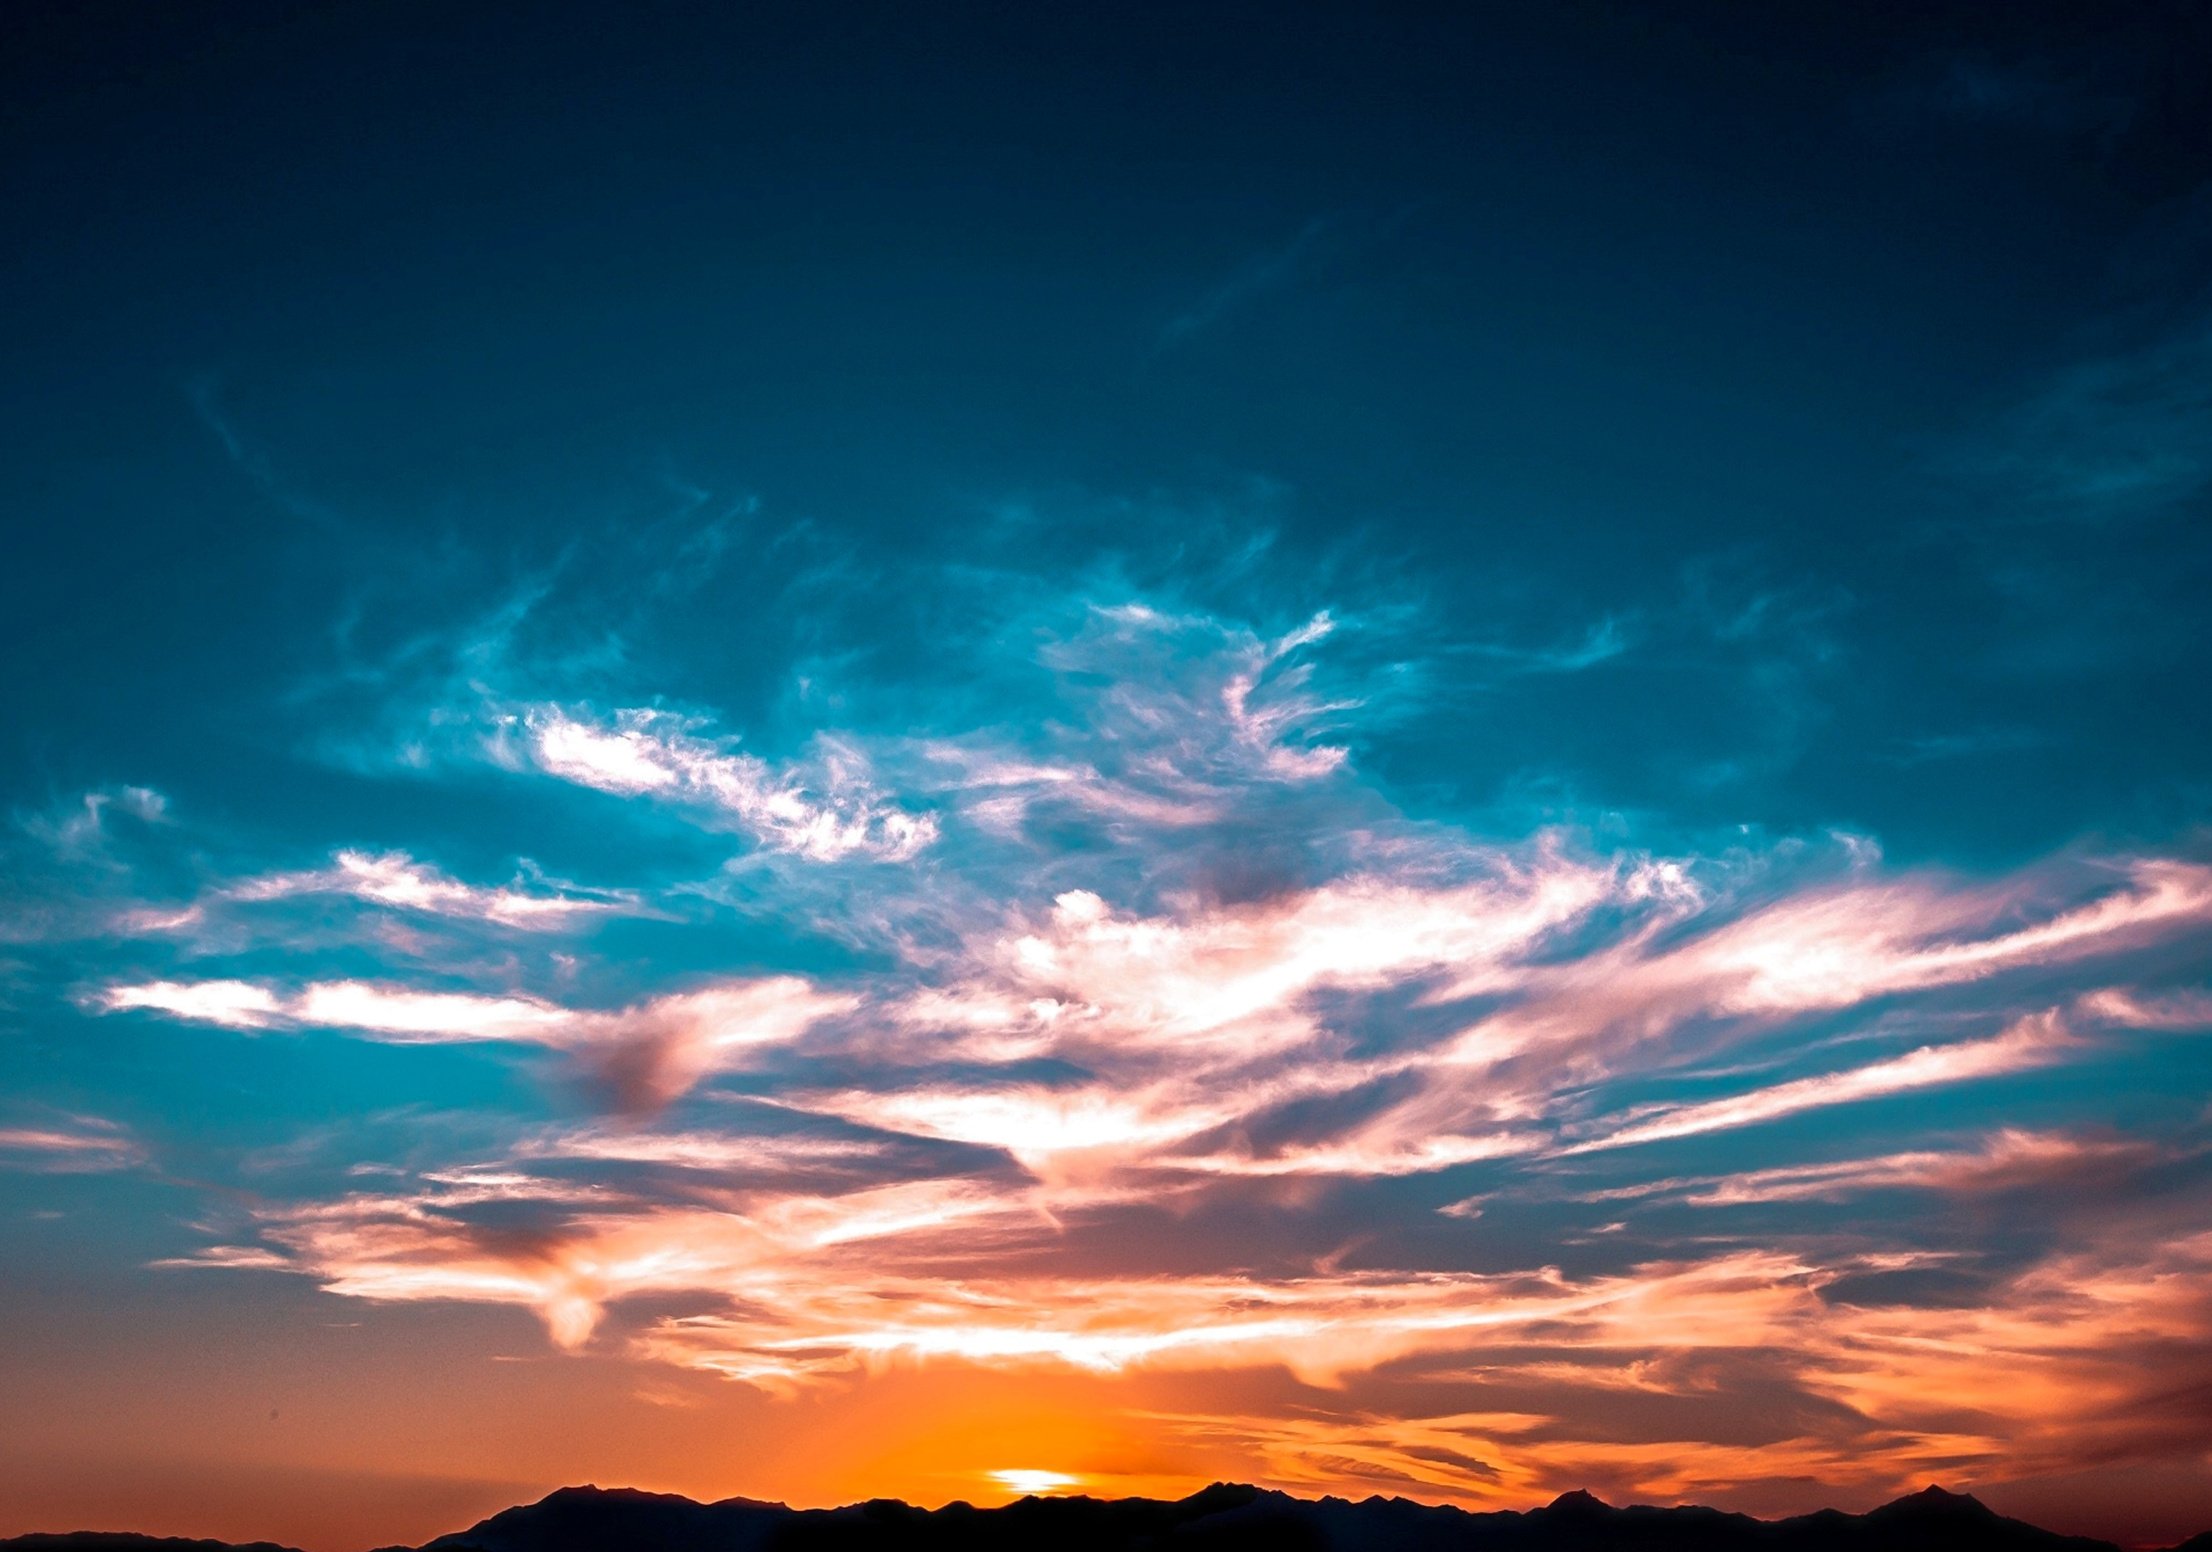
pixel 1221 1516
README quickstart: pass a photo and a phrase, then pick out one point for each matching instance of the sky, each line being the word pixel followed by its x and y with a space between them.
pixel 853 750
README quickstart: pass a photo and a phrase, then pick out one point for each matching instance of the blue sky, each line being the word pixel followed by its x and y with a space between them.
pixel 1452 755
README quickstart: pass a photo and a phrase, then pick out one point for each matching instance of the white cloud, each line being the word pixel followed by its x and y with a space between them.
pixel 2032 1042
pixel 648 1052
pixel 826 812
pixel 397 880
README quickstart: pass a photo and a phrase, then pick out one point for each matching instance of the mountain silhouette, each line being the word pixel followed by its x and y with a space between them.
pixel 1225 1517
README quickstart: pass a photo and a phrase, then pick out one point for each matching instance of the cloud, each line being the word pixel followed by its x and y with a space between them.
pixel 427 1246
pixel 828 814
pixel 141 803
pixel 2052 1368
pixel 1264 700
pixel 1321 1328
pixel 233 1004
pixel 1178 721
pixel 1175 1046
pixel 720 1153
pixel 1227 993
pixel 2119 436
pixel 646 1054
pixel 1263 1001
pixel 2011 1159
pixel 68 1145
pixel 1270 270
pixel 404 1015
pixel 1373 1153
pixel 253 461
pixel 157 876
pixel 1817 949
pixel 1834 949
pixel 1239 976
pixel 2056 1358
pixel 1602 642
pixel 2191 1010
pixel 2033 1042
pixel 398 880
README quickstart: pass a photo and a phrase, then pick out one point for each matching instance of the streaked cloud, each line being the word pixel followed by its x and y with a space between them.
pixel 398 880
pixel 64 1144
pixel 1271 269
pixel 2030 1043
pixel 2007 1160
pixel 647 1053
pixel 2119 436
pixel 827 813
pixel 1353 755
pixel 1161 960
pixel 234 1004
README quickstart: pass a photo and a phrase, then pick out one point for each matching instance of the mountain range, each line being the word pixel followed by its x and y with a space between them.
pixel 1225 1517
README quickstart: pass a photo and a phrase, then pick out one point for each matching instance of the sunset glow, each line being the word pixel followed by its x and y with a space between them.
pixel 777 752
pixel 1025 1483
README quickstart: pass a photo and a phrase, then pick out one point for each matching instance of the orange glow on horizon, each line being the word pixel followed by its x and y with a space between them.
pixel 1025 1483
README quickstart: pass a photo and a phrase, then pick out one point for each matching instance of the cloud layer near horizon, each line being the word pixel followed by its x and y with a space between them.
pixel 1145 1034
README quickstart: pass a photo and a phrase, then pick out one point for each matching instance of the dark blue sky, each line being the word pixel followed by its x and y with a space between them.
pixel 1003 542
pixel 1882 334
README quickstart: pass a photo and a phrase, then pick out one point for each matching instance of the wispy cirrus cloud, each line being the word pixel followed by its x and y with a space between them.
pixel 1238 993
pixel 2149 1010
pixel 84 824
pixel 2049 1362
pixel 827 813
pixel 398 880
pixel 1163 960
pixel 66 1144
pixel 2011 1159
pixel 395 880
pixel 1271 269
pixel 425 1246
pixel 819 1287
pixel 646 1053
pixel 1178 721
pixel 2032 1042
pixel 2114 437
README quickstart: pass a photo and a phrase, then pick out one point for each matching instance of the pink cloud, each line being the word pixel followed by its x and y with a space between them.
pixel 70 1144
pixel 2031 1042
pixel 1127 1061
pixel 1239 976
pixel 411 1248
pixel 2191 1010
pixel 2009 1159
pixel 1265 702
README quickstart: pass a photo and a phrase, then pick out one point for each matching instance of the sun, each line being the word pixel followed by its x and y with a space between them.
pixel 1026 1484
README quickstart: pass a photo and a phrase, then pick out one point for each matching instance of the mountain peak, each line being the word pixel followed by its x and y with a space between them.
pixel 1942 1499
pixel 592 1492
pixel 1579 1500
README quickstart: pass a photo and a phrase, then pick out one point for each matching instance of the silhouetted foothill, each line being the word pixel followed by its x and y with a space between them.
pixel 1226 1517
pixel 130 1541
